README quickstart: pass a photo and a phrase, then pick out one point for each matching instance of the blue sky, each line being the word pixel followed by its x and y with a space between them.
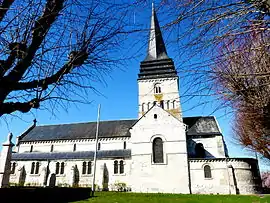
pixel 119 96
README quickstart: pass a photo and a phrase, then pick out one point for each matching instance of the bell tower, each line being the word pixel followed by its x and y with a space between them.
pixel 157 80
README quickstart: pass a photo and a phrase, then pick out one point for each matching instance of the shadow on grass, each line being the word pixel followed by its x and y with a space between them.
pixel 42 195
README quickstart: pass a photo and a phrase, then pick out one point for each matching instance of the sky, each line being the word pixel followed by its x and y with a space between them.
pixel 119 97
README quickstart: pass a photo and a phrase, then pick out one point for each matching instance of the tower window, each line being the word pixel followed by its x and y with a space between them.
pixel 207 171
pixel 158 150
pixel 173 104
pixel 155 116
pixel 157 88
pixel 148 105
pixel 162 104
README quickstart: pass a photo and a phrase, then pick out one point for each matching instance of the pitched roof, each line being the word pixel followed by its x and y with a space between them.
pixel 120 153
pixel 112 129
pixel 107 129
pixel 202 125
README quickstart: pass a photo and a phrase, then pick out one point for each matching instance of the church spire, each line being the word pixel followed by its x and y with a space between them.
pixel 156 46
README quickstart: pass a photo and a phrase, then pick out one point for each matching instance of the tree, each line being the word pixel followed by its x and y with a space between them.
pixel 266 179
pixel 50 49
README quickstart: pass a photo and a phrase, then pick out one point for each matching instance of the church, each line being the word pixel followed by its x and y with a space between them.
pixel 159 152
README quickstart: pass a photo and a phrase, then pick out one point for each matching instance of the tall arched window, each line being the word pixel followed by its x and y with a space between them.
pixel 37 168
pixel 57 167
pixel 157 88
pixel 158 150
pixel 161 104
pixel 32 168
pixel 207 171
pixel 121 167
pixel 173 104
pixel 115 167
pixel 125 144
pixel 62 171
pixel 99 146
pixel 168 104
pixel 84 168
pixel 89 167
pixel 148 105
pixel 199 150
pixel 31 148
pixel 13 167
pixel 74 147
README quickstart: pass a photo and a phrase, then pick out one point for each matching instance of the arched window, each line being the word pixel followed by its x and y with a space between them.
pixel 13 167
pixel 207 171
pixel 158 150
pixel 173 104
pixel 33 168
pixel 37 168
pixel 99 146
pixel 155 116
pixel 74 147
pixel 121 167
pixel 157 88
pixel 89 167
pixel 84 168
pixel 161 103
pixel 168 104
pixel 148 105
pixel 115 167
pixel 199 150
pixel 57 167
pixel 143 104
pixel 62 171
pixel 125 144
pixel 51 148
pixel 31 148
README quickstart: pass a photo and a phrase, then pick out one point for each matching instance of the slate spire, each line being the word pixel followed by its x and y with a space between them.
pixel 157 64
pixel 156 46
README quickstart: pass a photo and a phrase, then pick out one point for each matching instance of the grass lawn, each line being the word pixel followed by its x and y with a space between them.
pixel 113 197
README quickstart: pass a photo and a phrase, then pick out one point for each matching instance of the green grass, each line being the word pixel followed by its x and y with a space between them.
pixel 114 197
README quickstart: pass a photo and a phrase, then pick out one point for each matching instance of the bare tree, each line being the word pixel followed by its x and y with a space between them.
pixel 243 82
pixel 51 49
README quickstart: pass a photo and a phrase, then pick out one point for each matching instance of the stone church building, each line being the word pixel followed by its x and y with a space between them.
pixel 161 151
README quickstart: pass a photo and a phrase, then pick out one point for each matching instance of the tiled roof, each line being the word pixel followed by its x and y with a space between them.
pixel 107 129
